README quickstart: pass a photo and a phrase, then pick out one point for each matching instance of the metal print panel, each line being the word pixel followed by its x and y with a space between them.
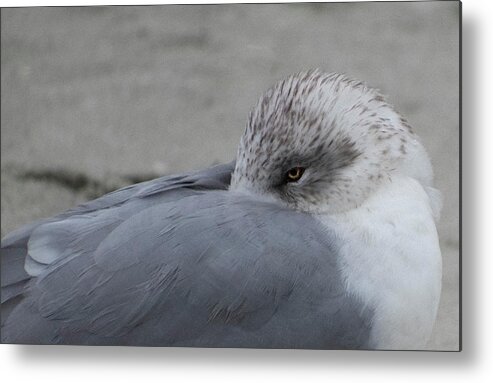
pixel 262 176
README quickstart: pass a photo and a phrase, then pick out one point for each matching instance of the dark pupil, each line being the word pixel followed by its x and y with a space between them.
pixel 295 174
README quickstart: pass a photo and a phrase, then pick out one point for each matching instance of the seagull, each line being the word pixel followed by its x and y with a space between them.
pixel 320 235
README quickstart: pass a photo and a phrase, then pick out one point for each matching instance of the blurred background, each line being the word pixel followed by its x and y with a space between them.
pixel 94 98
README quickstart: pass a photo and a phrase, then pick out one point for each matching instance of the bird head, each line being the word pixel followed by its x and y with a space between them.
pixel 323 143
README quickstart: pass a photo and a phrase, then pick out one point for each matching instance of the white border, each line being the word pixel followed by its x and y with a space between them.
pixel 474 364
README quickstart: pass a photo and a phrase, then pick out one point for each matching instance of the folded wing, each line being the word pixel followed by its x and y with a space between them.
pixel 214 269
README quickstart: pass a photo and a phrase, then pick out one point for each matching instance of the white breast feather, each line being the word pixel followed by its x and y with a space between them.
pixel 391 260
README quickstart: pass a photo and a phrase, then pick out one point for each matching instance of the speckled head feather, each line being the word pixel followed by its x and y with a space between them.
pixel 344 134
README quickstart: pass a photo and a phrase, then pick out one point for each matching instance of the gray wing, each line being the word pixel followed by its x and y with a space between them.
pixel 168 187
pixel 215 269
pixel 90 222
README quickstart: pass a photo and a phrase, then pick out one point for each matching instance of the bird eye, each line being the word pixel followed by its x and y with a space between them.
pixel 294 174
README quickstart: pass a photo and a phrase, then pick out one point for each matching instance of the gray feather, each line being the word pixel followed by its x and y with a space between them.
pixel 214 178
pixel 29 250
pixel 191 270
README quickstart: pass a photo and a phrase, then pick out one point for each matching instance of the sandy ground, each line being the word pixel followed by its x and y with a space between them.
pixel 95 98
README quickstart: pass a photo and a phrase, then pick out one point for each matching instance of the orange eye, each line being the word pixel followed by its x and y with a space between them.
pixel 294 174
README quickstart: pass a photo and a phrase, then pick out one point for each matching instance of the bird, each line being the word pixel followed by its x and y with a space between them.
pixel 320 234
